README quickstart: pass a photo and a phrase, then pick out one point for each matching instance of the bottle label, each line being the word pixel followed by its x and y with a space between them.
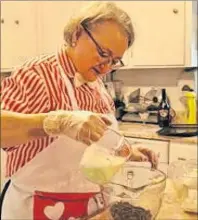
pixel 163 113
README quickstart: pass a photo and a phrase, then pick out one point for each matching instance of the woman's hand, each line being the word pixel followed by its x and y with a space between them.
pixel 140 154
pixel 83 126
pixel 145 154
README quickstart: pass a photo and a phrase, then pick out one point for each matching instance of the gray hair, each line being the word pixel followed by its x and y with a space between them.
pixel 97 12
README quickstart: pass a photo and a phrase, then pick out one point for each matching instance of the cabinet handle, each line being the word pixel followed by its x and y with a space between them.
pixel 16 22
pixel 181 158
pixel 175 11
pixel 2 21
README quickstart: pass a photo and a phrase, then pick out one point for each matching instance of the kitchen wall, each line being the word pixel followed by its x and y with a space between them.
pixel 171 79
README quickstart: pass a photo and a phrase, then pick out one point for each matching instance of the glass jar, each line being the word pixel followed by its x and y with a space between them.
pixel 183 175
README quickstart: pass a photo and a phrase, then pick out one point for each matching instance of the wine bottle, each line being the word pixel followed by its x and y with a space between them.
pixel 164 111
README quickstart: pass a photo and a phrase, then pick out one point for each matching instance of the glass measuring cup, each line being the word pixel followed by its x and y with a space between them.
pixel 103 159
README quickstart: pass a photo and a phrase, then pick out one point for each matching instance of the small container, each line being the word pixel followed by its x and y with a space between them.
pixel 102 160
pixel 189 101
pixel 184 178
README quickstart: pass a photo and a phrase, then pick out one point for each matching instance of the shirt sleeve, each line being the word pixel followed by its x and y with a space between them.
pixel 24 91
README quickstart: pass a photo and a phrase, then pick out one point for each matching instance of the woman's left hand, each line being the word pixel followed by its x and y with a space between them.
pixel 145 154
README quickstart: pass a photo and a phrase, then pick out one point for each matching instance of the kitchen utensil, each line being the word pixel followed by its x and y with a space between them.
pixel 154 96
pixel 180 130
pixel 154 179
pixel 183 175
pixel 118 88
pixel 134 96
pixel 144 116
pixel 151 94
pixel 102 160
pixel 134 117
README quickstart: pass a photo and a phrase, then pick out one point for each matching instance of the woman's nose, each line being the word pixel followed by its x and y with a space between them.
pixel 105 68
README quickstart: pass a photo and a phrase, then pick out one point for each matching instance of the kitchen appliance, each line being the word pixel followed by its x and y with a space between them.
pixel 137 104
pixel 183 175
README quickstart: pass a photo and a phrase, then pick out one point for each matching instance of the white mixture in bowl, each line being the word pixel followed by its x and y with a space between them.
pixel 99 166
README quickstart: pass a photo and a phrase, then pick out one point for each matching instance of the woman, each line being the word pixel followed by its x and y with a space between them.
pixel 62 94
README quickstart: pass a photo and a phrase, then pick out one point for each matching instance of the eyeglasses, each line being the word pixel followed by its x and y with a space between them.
pixel 115 63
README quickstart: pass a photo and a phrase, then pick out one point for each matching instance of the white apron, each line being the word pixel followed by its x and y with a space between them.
pixel 51 186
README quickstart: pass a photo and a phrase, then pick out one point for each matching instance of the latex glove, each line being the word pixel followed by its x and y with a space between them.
pixel 141 154
pixel 84 126
pixel 145 154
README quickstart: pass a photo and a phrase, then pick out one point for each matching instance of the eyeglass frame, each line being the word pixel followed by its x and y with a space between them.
pixel 99 49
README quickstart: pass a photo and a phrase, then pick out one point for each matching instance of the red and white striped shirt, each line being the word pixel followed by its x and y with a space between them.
pixel 37 87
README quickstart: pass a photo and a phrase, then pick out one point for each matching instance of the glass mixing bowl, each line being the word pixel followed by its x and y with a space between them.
pixel 102 160
pixel 146 202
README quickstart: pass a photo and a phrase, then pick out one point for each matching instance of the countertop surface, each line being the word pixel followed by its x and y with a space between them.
pixel 171 209
pixel 137 130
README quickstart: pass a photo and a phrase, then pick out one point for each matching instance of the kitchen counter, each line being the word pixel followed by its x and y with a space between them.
pixel 149 131
pixel 169 210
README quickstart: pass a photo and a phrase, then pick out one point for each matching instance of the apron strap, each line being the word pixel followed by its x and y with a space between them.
pixel 104 95
pixel 69 87
pixel 70 90
pixel 2 195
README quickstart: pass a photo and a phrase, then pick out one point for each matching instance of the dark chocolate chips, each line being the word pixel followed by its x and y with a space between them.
pixel 126 211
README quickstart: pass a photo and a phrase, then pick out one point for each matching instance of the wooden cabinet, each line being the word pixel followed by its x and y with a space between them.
pixel 166 31
pixel 159 32
pixel 159 29
pixel 169 151
pixel 159 147
pixel 53 16
pixel 18 32
pixel 182 151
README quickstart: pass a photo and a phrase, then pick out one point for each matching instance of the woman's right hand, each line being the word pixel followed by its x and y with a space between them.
pixel 83 126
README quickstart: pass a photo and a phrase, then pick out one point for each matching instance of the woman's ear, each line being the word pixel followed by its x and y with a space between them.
pixel 76 34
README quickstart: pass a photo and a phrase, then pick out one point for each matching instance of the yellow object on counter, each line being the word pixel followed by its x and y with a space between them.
pixel 191 113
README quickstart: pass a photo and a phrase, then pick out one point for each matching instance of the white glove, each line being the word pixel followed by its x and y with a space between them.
pixel 83 126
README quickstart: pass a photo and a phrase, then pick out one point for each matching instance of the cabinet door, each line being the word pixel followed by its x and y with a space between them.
pixel 127 167
pixel 18 32
pixel 53 16
pixel 159 147
pixel 182 152
pixel 159 32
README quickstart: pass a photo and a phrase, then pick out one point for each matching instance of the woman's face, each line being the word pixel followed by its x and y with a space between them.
pixel 96 50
